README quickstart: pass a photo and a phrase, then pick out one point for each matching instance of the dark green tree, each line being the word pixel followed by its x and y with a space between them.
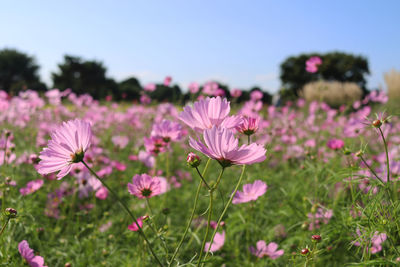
pixel 18 71
pixel 84 76
pixel 336 66
pixel 166 93
pixel 130 89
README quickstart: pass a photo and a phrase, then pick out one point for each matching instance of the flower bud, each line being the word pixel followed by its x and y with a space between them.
pixel 316 238
pixel 377 123
pixel 193 160
pixel 304 251
pixel 359 153
pixel 10 213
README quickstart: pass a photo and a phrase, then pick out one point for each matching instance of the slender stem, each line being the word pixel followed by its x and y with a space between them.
pixel 218 180
pixel 202 178
pixel 387 154
pixel 128 211
pixel 4 226
pixel 5 152
pixel 225 209
pixel 208 227
pixel 167 164
pixel 196 198
pixel 248 139
pixel 373 172
pixel 148 206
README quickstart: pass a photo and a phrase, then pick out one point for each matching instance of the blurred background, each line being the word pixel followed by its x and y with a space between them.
pixel 117 50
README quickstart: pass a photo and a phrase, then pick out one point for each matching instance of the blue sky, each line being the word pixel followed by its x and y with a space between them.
pixel 240 43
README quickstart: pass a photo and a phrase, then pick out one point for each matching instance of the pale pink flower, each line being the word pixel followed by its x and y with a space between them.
pixel 256 95
pixel 251 192
pixel 67 146
pixel 263 250
pixel 105 226
pixel 133 227
pixel 221 145
pixel 149 87
pixel 236 93
pixel 249 125
pixel 167 130
pixel 167 80
pixel 194 87
pixel 146 158
pixel 102 193
pixel 145 99
pixel 31 187
pixel 208 112
pixel 218 242
pixel 28 254
pixel 144 186
pixel 120 141
pixel 375 242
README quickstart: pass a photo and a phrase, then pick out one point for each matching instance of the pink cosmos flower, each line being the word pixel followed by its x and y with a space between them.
pixel 120 141
pixel 167 80
pixel 146 158
pixel 376 241
pixel 167 130
pixel 312 64
pixel 102 193
pixel 335 144
pixel 256 95
pixel 248 126
pixel 194 87
pixel 321 216
pixel 67 146
pixel 208 112
pixel 218 242
pixel 236 93
pixel 145 99
pixel 264 250
pixel 251 192
pixel 221 145
pixel 144 186
pixel 149 87
pixel 27 253
pixel 133 227
pixel 31 187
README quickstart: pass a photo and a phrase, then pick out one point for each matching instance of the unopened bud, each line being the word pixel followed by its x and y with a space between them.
pixel 316 238
pixel 10 213
pixel 377 123
pixel 359 153
pixel 193 160
pixel 304 251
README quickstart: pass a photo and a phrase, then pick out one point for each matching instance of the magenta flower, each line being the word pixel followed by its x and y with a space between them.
pixel 250 192
pixel 264 250
pixel 102 193
pixel 167 131
pixel 31 187
pixel 209 112
pixel 218 242
pixel 144 186
pixel 375 242
pixel 133 227
pixel 221 145
pixel 167 80
pixel 335 144
pixel 248 126
pixel 256 95
pixel 67 146
pixel 236 93
pixel 27 253
pixel 312 64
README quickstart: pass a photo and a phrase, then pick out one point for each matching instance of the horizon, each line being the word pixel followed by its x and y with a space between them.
pixel 230 42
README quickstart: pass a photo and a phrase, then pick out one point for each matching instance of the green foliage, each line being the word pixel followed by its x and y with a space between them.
pixel 18 71
pixel 336 66
pixel 129 89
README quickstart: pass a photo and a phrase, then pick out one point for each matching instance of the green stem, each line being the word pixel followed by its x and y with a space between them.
pixel 202 178
pixel 4 226
pixel 191 216
pixel 387 154
pixel 127 210
pixel 207 229
pixel 248 139
pixel 225 209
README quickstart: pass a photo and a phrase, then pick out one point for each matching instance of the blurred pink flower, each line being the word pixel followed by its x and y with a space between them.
pixel 312 64
pixel 235 93
pixel 256 95
pixel 209 112
pixel 146 158
pixel 145 99
pixel 144 186
pixel 167 80
pixel 31 187
pixel 67 146
pixel 27 253
pixel 102 193
pixel 221 145
pixel 375 242
pixel 218 242
pixel 120 141
pixel 262 250
pixel 194 87
pixel 335 144
pixel 251 192
pixel 150 87
pixel 133 227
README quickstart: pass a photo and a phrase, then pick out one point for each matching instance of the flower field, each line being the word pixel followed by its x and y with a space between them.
pixel 210 183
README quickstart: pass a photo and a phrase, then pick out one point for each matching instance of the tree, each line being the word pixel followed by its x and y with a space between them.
pixel 166 93
pixel 130 89
pixel 336 66
pixel 18 71
pixel 84 76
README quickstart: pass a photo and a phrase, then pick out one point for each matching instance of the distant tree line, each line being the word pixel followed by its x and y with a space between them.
pixel 19 71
